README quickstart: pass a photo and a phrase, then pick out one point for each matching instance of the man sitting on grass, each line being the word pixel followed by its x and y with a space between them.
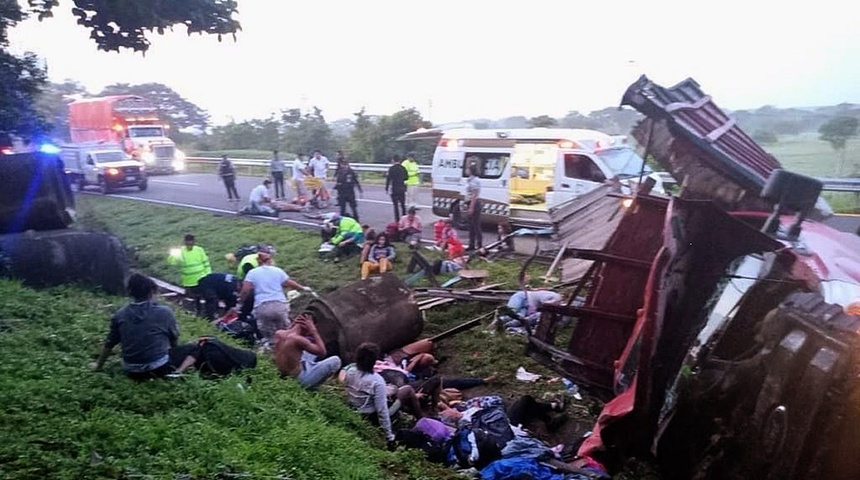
pixel 296 351
pixel 148 334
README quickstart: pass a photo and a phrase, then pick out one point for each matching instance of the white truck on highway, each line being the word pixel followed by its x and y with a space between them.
pixel 102 165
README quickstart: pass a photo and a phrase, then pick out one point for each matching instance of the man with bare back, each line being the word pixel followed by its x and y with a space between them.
pixel 297 349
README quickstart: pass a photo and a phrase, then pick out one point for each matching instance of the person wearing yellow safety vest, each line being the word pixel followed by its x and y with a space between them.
pixel 348 237
pixel 193 265
pixel 412 177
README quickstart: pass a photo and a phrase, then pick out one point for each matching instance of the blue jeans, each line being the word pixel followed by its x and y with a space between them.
pixel 313 372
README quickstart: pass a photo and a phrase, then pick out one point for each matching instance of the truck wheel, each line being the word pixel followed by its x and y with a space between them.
pixel 142 186
pixel 459 218
pixel 104 189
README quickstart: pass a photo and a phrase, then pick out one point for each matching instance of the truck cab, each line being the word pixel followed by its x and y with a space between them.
pixel 103 166
pixel 150 145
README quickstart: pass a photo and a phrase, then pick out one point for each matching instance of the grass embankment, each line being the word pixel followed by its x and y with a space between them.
pixel 62 421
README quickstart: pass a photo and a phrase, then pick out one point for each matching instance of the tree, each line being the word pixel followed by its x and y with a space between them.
pixel 373 139
pixel 113 25
pixel 542 121
pixel 765 136
pixel 304 133
pixel 178 111
pixel 837 131
pixel 53 105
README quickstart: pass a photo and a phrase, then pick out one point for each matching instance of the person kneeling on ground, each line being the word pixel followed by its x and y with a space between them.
pixel 261 200
pixel 297 350
pixel 148 334
pixel 348 237
pixel 366 390
pixel 379 257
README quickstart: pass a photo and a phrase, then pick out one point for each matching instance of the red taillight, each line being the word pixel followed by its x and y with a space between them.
pixel 443 142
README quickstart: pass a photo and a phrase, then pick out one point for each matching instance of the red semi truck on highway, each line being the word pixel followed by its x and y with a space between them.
pixel 130 121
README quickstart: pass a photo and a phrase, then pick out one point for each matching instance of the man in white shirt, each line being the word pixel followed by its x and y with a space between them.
pixel 271 307
pixel 318 168
pixel 260 199
pixel 299 174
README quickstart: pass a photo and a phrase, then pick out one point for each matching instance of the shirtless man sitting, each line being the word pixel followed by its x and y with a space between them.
pixel 297 349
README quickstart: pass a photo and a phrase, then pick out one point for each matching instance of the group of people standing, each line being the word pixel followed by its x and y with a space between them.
pixel 306 175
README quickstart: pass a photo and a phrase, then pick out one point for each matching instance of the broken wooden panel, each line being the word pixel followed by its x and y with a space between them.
pixel 380 309
pixel 586 222
pixel 619 260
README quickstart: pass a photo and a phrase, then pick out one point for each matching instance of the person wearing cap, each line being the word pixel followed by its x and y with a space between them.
pixel 412 177
pixel 260 199
pixel 271 306
pixel 193 265
pixel 409 227
pixel 348 237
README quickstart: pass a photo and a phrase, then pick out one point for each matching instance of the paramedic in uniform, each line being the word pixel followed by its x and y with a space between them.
pixel 473 194
pixel 193 265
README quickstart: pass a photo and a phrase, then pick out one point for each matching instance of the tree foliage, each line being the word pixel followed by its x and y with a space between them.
pixel 53 105
pixel 113 25
pixel 838 130
pixel 542 121
pixel 372 139
pixel 174 108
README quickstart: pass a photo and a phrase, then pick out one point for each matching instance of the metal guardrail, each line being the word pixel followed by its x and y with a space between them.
pixel 830 184
pixel 256 162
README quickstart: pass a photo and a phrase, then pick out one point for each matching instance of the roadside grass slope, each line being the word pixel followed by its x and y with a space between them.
pixel 62 421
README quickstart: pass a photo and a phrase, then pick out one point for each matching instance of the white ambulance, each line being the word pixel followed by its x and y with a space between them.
pixel 524 172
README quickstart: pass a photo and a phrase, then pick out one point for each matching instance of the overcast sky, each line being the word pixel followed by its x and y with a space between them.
pixel 476 58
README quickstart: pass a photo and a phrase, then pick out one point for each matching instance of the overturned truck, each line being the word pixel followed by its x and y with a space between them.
pixel 721 323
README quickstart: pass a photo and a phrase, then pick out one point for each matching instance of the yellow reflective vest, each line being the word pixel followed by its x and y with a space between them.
pixel 412 171
pixel 250 259
pixel 193 265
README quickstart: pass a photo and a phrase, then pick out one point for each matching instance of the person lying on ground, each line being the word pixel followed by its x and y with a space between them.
pixel 147 332
pixel 522 412
pixel 297 350
pixel 526 304
pixel 366 390
pixel 415 357
pixel 379 258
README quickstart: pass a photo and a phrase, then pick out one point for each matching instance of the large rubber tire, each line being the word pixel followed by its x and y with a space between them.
pixel 142 186
pixel 57 257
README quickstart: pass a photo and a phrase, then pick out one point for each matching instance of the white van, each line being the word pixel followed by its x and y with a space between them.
pixel 105 166
pixel 524 172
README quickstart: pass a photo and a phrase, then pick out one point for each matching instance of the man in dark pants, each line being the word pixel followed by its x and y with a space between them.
pixel 395 185
pixel 346 182
pixel 276 168
pixel 217 287
pixel 473 195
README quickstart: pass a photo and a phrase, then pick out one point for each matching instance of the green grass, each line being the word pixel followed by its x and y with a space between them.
pixel 806 154
pixel 62 421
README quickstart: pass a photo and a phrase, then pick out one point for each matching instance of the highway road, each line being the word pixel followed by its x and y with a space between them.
pixel 374 207
pixel 206 191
